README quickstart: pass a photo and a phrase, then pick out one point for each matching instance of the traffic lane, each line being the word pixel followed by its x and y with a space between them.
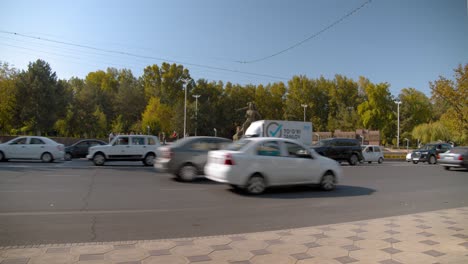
pixel 162 208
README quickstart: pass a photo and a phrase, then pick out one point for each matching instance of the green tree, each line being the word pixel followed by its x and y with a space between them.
pixel 415 109
pixel 7 97
pixel 455 94
pixel 430 132
pixel 157 116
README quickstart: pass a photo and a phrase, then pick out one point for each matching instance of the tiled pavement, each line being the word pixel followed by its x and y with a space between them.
pixel 429 238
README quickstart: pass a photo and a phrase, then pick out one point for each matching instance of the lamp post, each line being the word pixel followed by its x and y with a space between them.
pixel 318 136
pixel 196 112
pixel 407 144
pixel 362 139
pixel 185 110
pixel 398 102
pixel 216 132
pixel 305 106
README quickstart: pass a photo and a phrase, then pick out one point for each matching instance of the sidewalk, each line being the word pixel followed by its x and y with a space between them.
pixel 429 238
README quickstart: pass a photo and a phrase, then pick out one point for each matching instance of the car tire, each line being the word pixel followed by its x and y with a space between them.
pixel 149 160
pixel 369 162
pixel 255 185
pixel 187 173
pixel 47 157
pixel 415 162
pixel 2 156
pixel 327 183
pixel 353 160
pixel 99 159
pixel 380 160
pixel 446 167
pixel 432 160
pixel 68 156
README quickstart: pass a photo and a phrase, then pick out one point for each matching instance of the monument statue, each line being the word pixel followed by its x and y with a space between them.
pixel 251 115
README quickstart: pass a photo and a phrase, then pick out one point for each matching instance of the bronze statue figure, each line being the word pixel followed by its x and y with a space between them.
pixel 251 115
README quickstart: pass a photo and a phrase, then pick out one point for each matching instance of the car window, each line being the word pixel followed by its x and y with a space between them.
pixel 295 150
pixel 138 140
pixel 36 141
pixel 202 145
pixel 19 141
pixel 121 141
pixel 370 149
pixel 376 149
pixel 268 148
pixel 151 141
pixel 238 145
pixel 82 144
pixel 94 143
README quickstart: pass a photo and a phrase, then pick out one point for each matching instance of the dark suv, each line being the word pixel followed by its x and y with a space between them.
pixel 429 152
pixel 340 149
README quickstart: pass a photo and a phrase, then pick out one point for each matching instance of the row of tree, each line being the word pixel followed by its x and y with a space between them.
pixel 35 101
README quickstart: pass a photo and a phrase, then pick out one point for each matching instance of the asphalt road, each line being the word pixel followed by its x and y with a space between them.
pixel 74 201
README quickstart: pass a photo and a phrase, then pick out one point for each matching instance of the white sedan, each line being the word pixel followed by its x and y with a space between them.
pixel 30 147
pixel 254 164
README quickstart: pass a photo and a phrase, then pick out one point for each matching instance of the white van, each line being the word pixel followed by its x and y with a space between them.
pixel 300 131
pixel 372 153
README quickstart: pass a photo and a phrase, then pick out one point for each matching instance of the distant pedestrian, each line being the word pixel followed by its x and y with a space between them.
pixel 111 136
pixel 174 136
pixel 164 138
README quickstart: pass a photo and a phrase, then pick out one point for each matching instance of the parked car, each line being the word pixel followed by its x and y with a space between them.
pixel 80 149
pixel 32 147
pixel 372 153
pixel 429 152
pixel 253 164
pixel 340 149
pixel 186 158
pixel 126 148
pixel 454 158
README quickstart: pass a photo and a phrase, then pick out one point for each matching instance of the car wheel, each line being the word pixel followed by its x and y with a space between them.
pixel 432 160
pixel 415 162
pixel 380 160
pixel 369 162
pixel 328 181
pixel 256 185
pixel 67 156
pixel 2 156
pixel 353 160
pixel 149 160
pixel 187 173
pixel 447 167
pixel 99 159
pixel 47 157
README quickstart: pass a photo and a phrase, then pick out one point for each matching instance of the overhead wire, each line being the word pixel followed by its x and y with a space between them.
pixel 336 22
pixel 111 51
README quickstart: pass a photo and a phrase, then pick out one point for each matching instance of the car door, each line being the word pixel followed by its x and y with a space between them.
pixel 138 147
pixel 119 148
pixel 270 162
pixel 17 149
pixel 81 149
pixel 35 148
pixel 299 167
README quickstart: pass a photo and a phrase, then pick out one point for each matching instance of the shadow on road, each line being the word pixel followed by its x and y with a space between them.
pixel 301 192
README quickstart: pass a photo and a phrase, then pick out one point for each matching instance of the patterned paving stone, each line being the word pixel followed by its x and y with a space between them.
pixel 56 258
pixel 300 256
pixel 165 260
pixel 287 249
pixel 221 247
pixel 191 250
pixel 248 245
pixel 463 236
pixel 358 230
pixel 392 232
pixel 212 241
pixel 426 234
pixel 423 227
pixel 91 249
pixel 273 258
pixel 434 253
pixel 464 244
pixel 346 259
pixel 240 262
pixel 449 222
pixel 23 252
pixel 454 228
pixel 134 254
pixel 419 220
pixel 351 247
pixel 330 252
pixel 284 233
pixel 355 238
pixel 259 252
pixel 299 239
pixel 391 250
pixel 15 261
pixel 391 240
pixel 333 241
pixel 389 261
pixel 231 255
pixel 413 258
pixel 429 242
pixel 85 257
pixel 392 225
pixel 319 236
pixel 124 246
pixel 198 258
pixel 263 236
pixel 129 262
pixel 327 228
pixel 184 243
pixel 58 250
pixel 159 252
pixel 274 242
pixel 237 238
pixel 372 244
pixel 312 245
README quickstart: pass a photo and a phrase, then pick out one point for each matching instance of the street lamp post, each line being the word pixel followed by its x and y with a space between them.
pixel 305 106
pixel 216 132
pixel 407 144
pixel 196 112
pixel 185 110
pixel 398 102
pixel 318 136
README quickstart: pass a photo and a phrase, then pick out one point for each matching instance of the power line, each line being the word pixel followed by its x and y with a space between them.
pixel 310 37
pixel 140 56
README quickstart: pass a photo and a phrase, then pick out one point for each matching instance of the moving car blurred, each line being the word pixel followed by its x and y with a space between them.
pixel 340 149
pixel 126 148
pixel 454 158
pixel 32 147
pixel 372 153
pixel 80 148
pixel 254 164
pixel 186 158
pixel 429 152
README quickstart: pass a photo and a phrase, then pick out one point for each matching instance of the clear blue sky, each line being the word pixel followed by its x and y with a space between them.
pixel 406 43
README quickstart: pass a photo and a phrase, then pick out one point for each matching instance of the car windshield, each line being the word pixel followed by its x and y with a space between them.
pixel 238 145
pixel 428 147
pixel 323 143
